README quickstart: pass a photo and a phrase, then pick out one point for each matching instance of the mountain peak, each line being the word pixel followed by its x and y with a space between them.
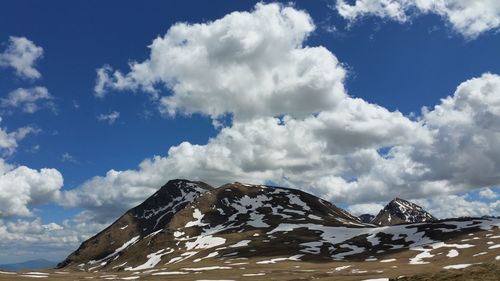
pixel 400 211
pixel 148 217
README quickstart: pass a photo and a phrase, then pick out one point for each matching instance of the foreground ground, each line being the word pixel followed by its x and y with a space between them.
pixel 480 260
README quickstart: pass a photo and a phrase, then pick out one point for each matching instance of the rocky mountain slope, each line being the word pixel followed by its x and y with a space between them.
pixel 139 222
pixel 400 211
pixel 186 224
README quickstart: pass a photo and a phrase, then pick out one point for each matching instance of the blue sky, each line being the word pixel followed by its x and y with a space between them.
pixel 400 65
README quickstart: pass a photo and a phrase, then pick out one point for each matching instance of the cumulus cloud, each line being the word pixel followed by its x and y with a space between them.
pixel 365 208
pixel 25 239
pixel 110 118
pixel 316 138
pixel 22 187
pixel 22 54
pixel 466 131
pixel 487 193
pixel 246 64
pixel 452 206
pixel 285 150
pixel 469 18
pixel 29 100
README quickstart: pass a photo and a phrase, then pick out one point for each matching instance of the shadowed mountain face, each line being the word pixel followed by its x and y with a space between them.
pixel 400 211
pixel 188 222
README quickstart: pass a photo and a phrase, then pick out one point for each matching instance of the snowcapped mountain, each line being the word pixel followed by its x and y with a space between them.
pixel 186 223
pixel 400 211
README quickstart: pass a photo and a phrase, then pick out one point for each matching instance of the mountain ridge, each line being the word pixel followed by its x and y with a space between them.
pixel 187 222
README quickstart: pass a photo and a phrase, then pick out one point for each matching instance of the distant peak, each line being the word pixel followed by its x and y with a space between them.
pixel 402 211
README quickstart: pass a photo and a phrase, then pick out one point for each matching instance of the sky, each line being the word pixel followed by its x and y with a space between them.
pixel 358 102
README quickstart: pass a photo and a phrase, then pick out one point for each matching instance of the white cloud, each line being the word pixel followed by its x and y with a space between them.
pixel 365 208
pixel 8 140
pixel 22 54
pixel 487 193
pixel 67 157
pixel 25 239
pixel 466 133
pixel 328 147
pixel 29 100
pixel 286 150
pixel 469 18
pixel 462 155
pixel 248 64
pixel 110 118
pixel 102 81
pixel 452 206
pixel 22 187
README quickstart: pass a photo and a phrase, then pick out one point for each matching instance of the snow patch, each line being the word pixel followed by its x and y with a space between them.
pixel 457 266
pixel 452 253
pixel 292 258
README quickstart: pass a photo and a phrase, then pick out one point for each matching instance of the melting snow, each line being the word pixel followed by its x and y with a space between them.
pixel 170 273
pixel 292 258
pixel 314 217
pixel 242 243
pixel 457 266
pixel 206 268
pixel 211 255
pixel 295 200
pixel 253 274
pixel 426 251
pixel 117 251
pixel 205 242
pixel 153 260
pixel 198 216
pixel 452 253
pixel 342 267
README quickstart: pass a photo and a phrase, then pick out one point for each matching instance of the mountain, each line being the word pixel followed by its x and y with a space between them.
pixel 189 223
pixel 31 264
pixel 366 218
pixel 183 216
pixel 139 222
pixel 400 211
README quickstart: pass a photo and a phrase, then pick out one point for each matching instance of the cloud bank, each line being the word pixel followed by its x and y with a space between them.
pixel 293 123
